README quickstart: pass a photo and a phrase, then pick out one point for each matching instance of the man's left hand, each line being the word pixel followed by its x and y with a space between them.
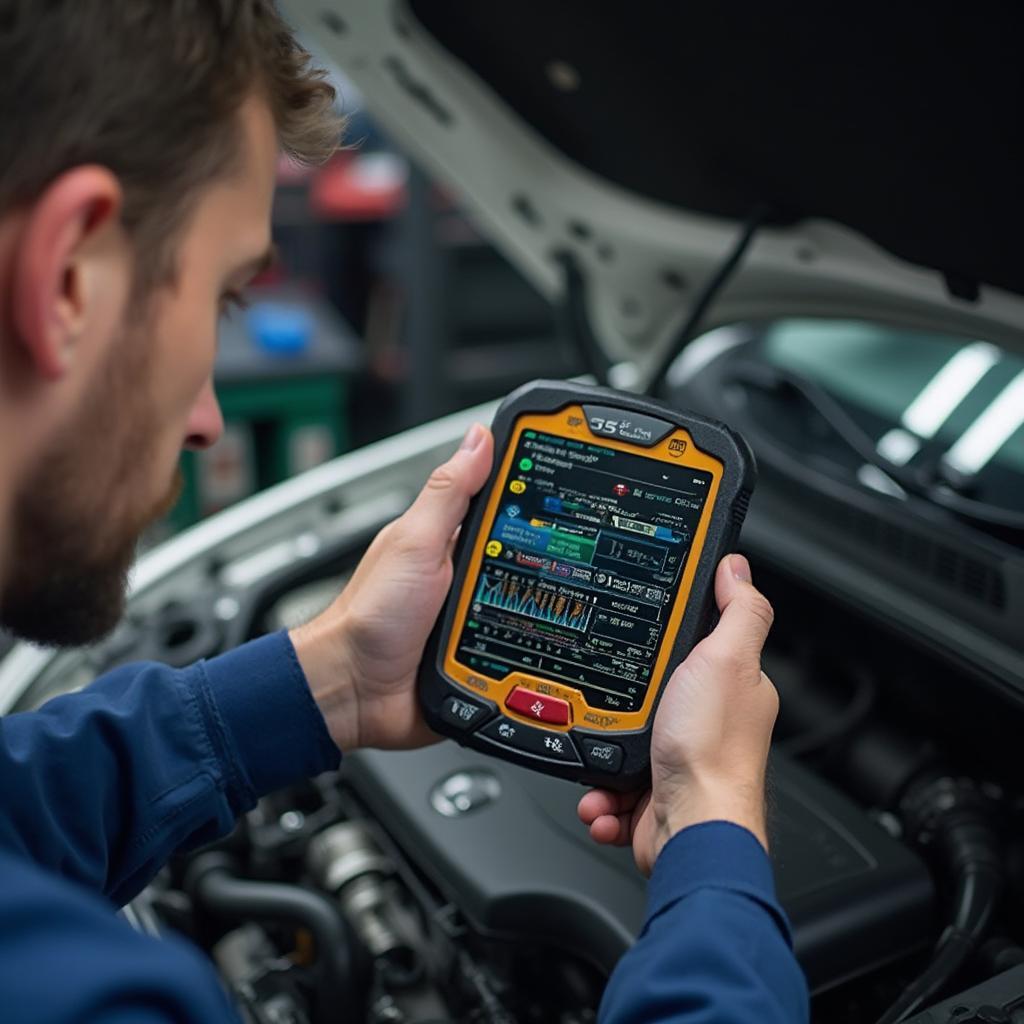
pixel 360 656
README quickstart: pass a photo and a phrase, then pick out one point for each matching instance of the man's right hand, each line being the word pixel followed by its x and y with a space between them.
pixel 709 747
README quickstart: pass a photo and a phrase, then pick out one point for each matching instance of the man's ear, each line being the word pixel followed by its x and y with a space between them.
pixel 61 245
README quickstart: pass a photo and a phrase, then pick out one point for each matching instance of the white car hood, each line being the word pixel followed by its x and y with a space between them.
pixel 645 256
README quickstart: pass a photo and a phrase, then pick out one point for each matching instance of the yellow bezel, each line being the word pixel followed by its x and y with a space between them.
pixel 677 449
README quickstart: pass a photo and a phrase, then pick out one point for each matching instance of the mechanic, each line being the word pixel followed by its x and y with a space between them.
pixel 139 153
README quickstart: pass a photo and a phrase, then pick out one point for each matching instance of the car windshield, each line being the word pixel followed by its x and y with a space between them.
pixel 923 399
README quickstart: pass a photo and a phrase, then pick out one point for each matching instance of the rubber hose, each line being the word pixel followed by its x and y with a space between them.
pixel 213 884
pixel 954 817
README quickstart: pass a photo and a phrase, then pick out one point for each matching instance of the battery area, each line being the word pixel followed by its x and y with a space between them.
pixel 582 564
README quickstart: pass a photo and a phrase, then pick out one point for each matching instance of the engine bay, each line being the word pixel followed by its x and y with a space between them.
pixel 440 885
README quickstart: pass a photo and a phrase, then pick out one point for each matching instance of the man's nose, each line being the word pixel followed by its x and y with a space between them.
pixel 205 421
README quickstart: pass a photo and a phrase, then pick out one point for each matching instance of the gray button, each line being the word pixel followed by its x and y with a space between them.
pixel 463 714
pixel 607 421
pixel 605 757
pixel 554 746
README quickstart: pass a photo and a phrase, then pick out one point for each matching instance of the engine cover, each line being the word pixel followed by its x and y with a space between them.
pixel 505 846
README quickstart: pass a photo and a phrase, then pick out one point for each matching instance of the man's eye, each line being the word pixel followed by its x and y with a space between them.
pixel 231 301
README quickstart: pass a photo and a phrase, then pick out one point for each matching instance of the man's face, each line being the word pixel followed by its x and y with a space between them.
pixel 110 469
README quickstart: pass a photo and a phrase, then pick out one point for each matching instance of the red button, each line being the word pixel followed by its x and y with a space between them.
pixel 538 706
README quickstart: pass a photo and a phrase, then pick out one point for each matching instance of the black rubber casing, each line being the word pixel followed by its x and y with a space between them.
pixel 730 507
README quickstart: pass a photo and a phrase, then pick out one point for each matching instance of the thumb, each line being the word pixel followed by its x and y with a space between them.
pixel 441 506
pixel 746 613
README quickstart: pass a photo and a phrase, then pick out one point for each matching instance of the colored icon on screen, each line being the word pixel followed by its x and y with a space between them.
pixel 621 490
pixel 493 548
pixel 526 465
pixel 517 487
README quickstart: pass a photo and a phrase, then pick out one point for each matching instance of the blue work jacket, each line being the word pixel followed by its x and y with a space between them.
pixel 101 787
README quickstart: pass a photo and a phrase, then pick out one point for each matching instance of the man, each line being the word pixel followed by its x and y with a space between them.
pixel 137 171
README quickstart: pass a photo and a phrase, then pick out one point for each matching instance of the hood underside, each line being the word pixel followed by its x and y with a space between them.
pixel 883 147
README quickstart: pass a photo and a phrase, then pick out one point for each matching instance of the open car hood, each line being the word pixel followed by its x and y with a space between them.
pixel 883 147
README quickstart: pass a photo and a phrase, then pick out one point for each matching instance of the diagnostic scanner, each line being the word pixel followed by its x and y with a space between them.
pixel 584 574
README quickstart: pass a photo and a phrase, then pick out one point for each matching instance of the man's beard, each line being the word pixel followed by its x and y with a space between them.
pixel 75 527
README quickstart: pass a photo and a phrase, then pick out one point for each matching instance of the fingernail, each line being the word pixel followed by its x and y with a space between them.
pixel 473 437
pixel 740 568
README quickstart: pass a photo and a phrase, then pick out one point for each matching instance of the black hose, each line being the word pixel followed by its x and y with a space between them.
pixel 836 728
pixel 953 819
pixel 214 885
pixel 718 280
pixel 574 319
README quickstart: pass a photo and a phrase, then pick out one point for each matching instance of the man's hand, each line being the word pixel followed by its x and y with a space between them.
pixel 360 656
pixel 711 734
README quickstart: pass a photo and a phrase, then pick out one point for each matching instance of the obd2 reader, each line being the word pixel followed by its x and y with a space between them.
pixel 584 574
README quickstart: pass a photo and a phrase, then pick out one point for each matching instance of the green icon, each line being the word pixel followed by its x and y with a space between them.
pixel 526 465
pixel 530 435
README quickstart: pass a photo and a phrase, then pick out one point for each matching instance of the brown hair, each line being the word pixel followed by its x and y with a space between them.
pixel 151 90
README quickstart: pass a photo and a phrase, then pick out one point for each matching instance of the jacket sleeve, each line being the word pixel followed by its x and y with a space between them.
pixel 102 786
pixel 716 946
pixel 65 957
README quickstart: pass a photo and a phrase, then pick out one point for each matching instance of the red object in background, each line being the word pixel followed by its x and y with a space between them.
pixel 359 186
pixel 621 490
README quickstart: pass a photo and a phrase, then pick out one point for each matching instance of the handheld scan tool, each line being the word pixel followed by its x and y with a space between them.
pixel 584 573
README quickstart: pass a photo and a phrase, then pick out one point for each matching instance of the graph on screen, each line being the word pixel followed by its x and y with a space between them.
pixel 525 596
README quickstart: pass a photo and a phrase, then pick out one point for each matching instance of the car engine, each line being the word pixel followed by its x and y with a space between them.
pixel 439 885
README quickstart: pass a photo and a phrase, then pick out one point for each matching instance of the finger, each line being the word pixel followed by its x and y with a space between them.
pixel 442 504
pixel 746 614
pixel 611 829
pixel 599 802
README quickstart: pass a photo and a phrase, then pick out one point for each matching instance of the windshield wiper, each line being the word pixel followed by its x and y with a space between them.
pixel 930 482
